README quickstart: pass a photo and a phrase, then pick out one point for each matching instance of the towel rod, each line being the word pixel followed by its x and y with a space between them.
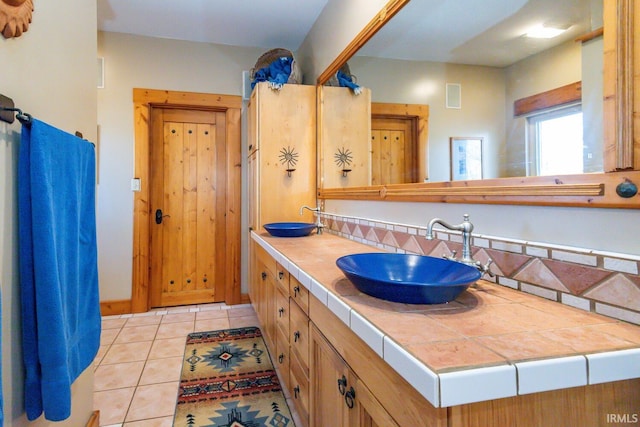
pixel 8 110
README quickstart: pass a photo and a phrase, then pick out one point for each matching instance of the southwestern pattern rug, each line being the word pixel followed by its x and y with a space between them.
pixel 228 380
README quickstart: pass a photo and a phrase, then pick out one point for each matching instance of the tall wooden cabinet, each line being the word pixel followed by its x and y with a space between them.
pixel 282 154
pixel 282 179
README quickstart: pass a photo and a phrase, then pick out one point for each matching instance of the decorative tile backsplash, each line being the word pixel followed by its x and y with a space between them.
pixel 603 282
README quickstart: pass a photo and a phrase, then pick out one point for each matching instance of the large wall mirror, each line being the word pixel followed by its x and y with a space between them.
pixel 479 73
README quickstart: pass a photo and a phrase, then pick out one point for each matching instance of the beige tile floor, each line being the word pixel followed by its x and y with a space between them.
pixel 137 369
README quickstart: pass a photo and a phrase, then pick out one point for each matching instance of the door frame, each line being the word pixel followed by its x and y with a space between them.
pixel 144 101
pixel 418 114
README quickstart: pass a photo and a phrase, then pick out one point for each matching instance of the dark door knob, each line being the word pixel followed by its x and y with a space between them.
pixel 159 216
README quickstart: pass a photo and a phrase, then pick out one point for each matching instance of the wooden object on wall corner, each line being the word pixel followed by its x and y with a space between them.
pixel 15 17
pixel 94 420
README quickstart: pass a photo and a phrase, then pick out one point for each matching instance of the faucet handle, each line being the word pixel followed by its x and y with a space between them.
pixel 486 269
pixel 451 257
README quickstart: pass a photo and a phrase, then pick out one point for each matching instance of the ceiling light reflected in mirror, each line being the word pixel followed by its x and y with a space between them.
pixel 543 32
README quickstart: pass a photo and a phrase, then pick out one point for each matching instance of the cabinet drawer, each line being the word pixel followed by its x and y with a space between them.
pixel 299 294
pixel 299 390
pixel 282 359
pixel 299 336
pixel 282 277
pixel 281 308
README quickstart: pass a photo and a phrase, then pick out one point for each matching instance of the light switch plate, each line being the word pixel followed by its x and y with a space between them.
pixel 135 184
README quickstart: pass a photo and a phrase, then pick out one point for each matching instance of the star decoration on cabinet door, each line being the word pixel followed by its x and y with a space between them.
pixel 289 157
pixel 343 158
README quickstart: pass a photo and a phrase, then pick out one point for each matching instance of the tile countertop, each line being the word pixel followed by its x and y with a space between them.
pixel 491 342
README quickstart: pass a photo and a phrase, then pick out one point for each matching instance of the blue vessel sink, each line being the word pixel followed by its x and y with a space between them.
pixel 289 229
pixel 411 279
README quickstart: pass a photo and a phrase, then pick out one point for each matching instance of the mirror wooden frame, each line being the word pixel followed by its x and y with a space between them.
pixel 621 139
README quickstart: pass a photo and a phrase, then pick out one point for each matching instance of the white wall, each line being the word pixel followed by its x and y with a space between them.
pixel 144 62
pixel 50 72
pixel 338 24
pixel 421 82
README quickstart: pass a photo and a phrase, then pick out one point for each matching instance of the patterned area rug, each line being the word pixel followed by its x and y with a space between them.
pixel 228 380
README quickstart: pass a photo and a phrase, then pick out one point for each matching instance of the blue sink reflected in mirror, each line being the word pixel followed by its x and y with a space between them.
pixel 289 229
pixel 406 278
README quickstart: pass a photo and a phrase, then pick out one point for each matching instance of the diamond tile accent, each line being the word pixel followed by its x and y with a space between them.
pixel 380 233
pixel 483 257
pixel 577 278
pixel 538 273
pixel 439 249
pixel 401 238
pixel 372 235
pixel 357 232
pixel 429 246
pixel 364 229
pixel 508 262
pixel 345 228
pixel 389 239
pixel 411 245
pixel 618 290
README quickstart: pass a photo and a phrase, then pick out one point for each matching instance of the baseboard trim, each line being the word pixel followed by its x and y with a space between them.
pixel 123 306
pixel 244 299
pixel 110 308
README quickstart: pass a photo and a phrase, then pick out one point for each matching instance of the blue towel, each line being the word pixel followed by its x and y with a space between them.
pixel 345 80
pixel 58 266
pixel 277 73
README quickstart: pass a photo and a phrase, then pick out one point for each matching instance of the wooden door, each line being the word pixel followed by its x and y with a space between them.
pixel 394 153
pixel 188 173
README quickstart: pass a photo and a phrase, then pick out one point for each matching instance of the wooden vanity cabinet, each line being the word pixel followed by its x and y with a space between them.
pixel 284 323
pixel 281 153
pixel 338 396
pixel 308 364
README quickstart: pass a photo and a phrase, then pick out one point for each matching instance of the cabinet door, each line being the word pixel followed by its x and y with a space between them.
pixel 338 396
pixel 329 384
pixel 286 126
pixel 299 335
pixel 299 389
pixel 266 305
pixel 367 411
pixel 282 359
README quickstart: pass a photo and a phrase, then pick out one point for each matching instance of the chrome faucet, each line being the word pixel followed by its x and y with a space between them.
pixel 466 227
pixel 319 224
